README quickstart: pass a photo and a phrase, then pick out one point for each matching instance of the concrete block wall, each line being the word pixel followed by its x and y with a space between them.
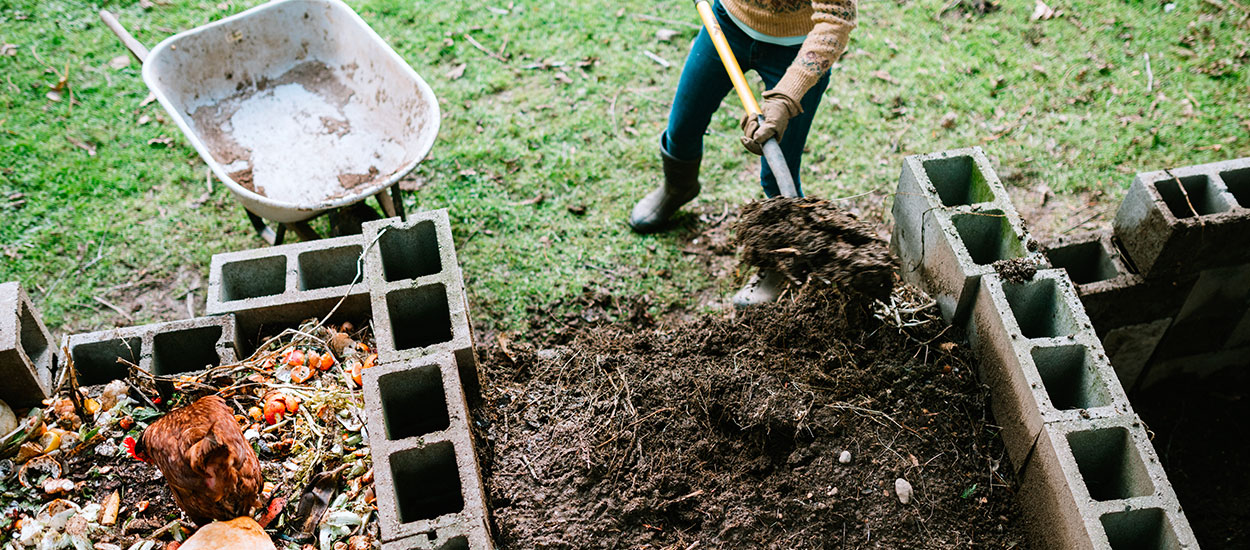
pixel 1185 220
pixel 428 483
pixel 280 286
pixel 28 358
pixel 1095 484
pixel 417 293
pixel 1089 477
pixel 162 348
pixel 1169 289
pixel 952 220
pixel 1040 357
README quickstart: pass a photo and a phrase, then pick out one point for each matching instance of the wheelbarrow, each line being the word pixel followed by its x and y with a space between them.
pixel 297 106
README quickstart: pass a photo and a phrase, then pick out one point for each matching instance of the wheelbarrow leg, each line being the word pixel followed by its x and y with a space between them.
pixel 305 231
pixel 266 233
pixel 397 202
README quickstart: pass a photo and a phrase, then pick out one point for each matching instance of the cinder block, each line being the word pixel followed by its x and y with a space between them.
pixel 1211 312
pixel 1040 357
pixel 1113 295
pixel 1131 347
pixel 1097 484
pixel 952 220
pixel 417 293
pixel 268 289
pixel 1186 220
pixel 428 483
pixel 447 539
pixel 1199 364
pixel 161 348
pixel 28 362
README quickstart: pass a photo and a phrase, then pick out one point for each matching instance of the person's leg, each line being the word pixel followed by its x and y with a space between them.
pixel 702 87
pixel 771 66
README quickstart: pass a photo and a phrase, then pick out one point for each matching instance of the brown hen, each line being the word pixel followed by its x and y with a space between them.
pixel 210 467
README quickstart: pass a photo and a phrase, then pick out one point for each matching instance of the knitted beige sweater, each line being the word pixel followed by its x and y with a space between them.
pixel 827 24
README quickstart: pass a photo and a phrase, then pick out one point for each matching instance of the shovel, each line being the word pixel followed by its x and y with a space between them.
pixel 772 150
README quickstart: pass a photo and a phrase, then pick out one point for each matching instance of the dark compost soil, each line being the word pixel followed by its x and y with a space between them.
pixel 1203 440
pixel 811 238
pixel 724 431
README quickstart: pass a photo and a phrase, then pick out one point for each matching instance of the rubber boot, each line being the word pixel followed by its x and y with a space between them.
pixel 681 185
pixel 763 287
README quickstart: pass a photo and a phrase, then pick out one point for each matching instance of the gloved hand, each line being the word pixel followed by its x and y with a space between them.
pixel 778 109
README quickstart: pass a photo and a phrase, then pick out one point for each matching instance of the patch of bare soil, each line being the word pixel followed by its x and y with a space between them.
pixel 1203 440
pixel 1015 270
pixel 726 431
pixel 807 238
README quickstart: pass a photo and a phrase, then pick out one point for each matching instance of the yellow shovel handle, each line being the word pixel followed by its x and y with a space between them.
pixel 727 57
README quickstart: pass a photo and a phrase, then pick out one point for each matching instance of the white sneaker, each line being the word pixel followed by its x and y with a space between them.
pixel 763 287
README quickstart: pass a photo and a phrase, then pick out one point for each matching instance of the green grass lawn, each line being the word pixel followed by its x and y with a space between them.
pixel 116 200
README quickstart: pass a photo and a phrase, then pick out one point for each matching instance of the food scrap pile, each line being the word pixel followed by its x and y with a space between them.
pixel 69 476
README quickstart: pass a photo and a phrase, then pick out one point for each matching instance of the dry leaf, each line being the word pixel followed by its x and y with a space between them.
pixel 111 504
pixel 144 120
pixel 563 77
pixel 665 35
pixel 89 148
pixel 456 72
pixel 948 120
pixel 54 96
pixel 8 49
pixel 150 98
pixel 1041 12
pixel 882 75
pixel 120 62
pixel 536 199
pixel 146 4
pixel 497 11
pixel 163 140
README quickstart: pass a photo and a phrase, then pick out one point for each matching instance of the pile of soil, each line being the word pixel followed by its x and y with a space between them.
pixel 807 238
pixel 1203 441
pixel 726 430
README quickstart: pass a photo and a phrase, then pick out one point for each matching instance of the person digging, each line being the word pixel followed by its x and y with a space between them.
pixel 791 44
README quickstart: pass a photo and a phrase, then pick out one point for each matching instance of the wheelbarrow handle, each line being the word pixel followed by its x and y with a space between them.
pixel 136 47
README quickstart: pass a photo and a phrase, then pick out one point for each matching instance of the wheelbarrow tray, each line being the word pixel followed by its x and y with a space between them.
pixel 298 106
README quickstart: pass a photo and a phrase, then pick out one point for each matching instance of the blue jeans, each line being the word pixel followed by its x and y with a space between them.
pixel 704 84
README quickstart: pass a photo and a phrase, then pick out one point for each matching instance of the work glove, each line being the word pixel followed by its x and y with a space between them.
pixel 778 109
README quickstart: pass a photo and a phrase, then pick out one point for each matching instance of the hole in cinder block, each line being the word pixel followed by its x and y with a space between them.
pixel 96 362
pixel 958 180
pixel 427 482
pixel 1198 192
pixel 253 278
pixel 410 253
pixel 33 341
pixel 185 350
pixel 988 236
pixel 420 316
pixel 1070 377
pixel 458 543
pixel 1238 182
pixel 328 268
pixel 1039 309
pixel 1110 464
pixel 1086 262
pixel 413 402
pixel 1143 529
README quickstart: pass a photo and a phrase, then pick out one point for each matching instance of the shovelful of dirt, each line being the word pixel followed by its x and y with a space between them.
pixel 812 239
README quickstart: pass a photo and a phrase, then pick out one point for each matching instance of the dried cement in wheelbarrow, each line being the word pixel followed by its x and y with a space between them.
pixel 309 105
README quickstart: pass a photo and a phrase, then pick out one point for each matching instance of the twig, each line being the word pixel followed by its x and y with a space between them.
pixel 686 24
pixel 660 60
pixel 113 307
pixel 1150 76
pixel 483 49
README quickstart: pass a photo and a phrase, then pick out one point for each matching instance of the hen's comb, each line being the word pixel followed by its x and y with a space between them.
pixel 129 442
